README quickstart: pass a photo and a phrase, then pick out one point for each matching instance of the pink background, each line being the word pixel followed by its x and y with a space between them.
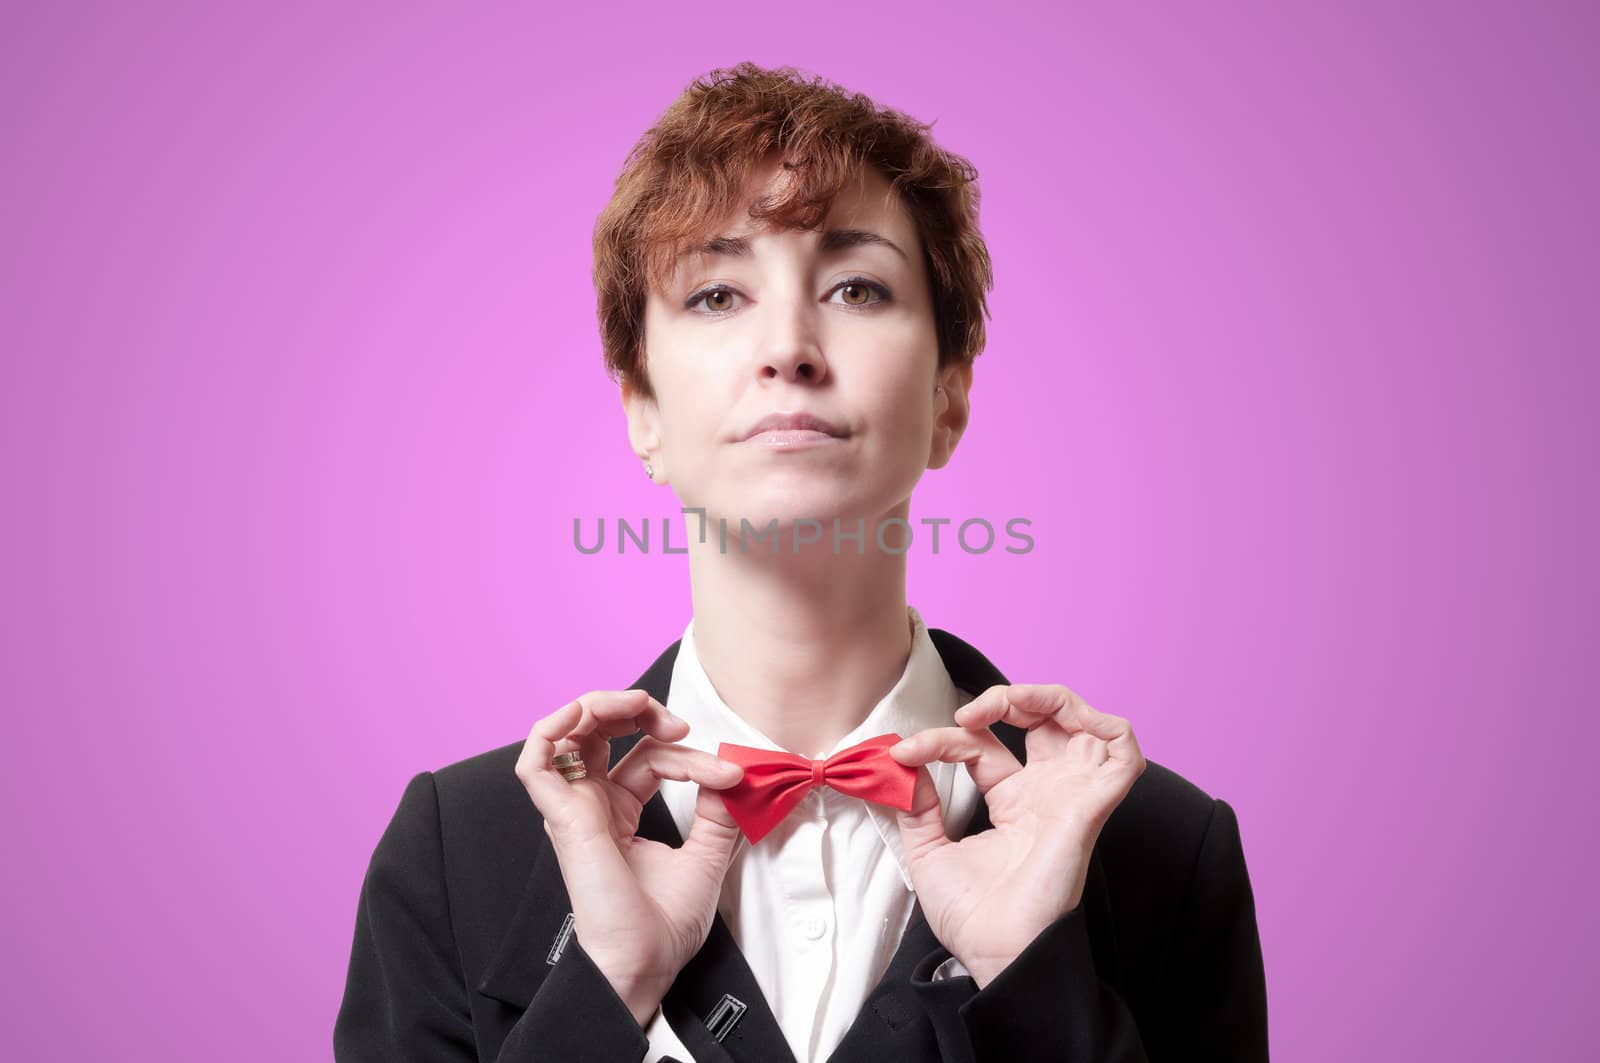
pixel 302 392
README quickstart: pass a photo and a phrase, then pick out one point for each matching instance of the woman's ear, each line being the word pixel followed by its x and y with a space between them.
pixel 644 429
pixel 952 409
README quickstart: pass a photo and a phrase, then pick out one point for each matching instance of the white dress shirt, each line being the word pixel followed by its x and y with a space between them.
pixel 819 905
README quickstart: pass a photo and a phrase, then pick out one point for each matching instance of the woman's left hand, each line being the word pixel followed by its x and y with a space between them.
pixel 989 895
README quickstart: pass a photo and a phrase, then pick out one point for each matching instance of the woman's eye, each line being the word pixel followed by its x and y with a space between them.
pixel 857 291
pixel 717 300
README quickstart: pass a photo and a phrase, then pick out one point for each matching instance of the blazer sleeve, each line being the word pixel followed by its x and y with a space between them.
pixel 1050 1004
pixel 406 999
pixel 1217 991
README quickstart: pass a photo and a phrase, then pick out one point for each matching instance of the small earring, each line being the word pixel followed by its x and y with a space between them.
pixel 648 471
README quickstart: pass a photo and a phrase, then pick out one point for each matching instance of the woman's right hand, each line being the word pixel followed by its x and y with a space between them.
pixel 641 909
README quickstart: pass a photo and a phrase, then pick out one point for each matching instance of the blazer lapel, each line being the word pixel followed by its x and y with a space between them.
pixel 891 1017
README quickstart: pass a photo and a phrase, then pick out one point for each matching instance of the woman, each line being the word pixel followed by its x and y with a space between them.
pixel 813 828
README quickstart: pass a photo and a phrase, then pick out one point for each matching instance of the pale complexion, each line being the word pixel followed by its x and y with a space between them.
pixel 802 646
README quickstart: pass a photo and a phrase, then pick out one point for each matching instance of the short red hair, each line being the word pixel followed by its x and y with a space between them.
pixel 692 165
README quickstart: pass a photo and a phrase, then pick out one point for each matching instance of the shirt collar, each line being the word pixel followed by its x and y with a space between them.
pixel 923 697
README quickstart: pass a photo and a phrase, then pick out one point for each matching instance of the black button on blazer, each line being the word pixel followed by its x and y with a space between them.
pixel 463 947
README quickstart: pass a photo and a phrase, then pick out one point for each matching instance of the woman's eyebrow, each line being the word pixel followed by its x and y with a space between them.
pixel 833 241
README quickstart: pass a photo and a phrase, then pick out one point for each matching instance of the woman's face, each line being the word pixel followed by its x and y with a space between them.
pixel 838 327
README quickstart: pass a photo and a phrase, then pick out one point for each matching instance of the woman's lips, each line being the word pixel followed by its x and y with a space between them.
pixel 799 420
pixel 792 438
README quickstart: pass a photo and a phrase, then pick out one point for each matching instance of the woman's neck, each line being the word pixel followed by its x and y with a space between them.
pixel 802 647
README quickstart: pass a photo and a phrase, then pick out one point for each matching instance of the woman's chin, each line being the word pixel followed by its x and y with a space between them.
pixel 789 508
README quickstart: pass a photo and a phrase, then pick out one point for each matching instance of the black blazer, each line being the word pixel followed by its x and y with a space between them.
pixel 463 946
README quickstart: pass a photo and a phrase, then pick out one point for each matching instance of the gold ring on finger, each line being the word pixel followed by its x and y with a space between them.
pixel 570 765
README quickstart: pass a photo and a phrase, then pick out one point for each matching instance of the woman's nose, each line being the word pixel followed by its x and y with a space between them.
pixel 791 347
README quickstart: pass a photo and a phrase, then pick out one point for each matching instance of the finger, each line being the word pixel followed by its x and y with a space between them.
pixel 595 748
pixel 985 708
pixel 922 828
pixel 1075 715
pixel 551 793
pixel 549 737
pixel 986 757
pixel 1087 750
pixel 557 724
pixel 1076 719
pixel 615 713
pixel 1027 705
pixel 650 761
pixel 586 724
pixel 713 836
pixel 1117 733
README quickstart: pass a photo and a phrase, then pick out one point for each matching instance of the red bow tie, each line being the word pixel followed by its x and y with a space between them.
pixel 775 781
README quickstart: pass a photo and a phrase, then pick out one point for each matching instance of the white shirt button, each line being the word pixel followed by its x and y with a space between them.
pixel 815 927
